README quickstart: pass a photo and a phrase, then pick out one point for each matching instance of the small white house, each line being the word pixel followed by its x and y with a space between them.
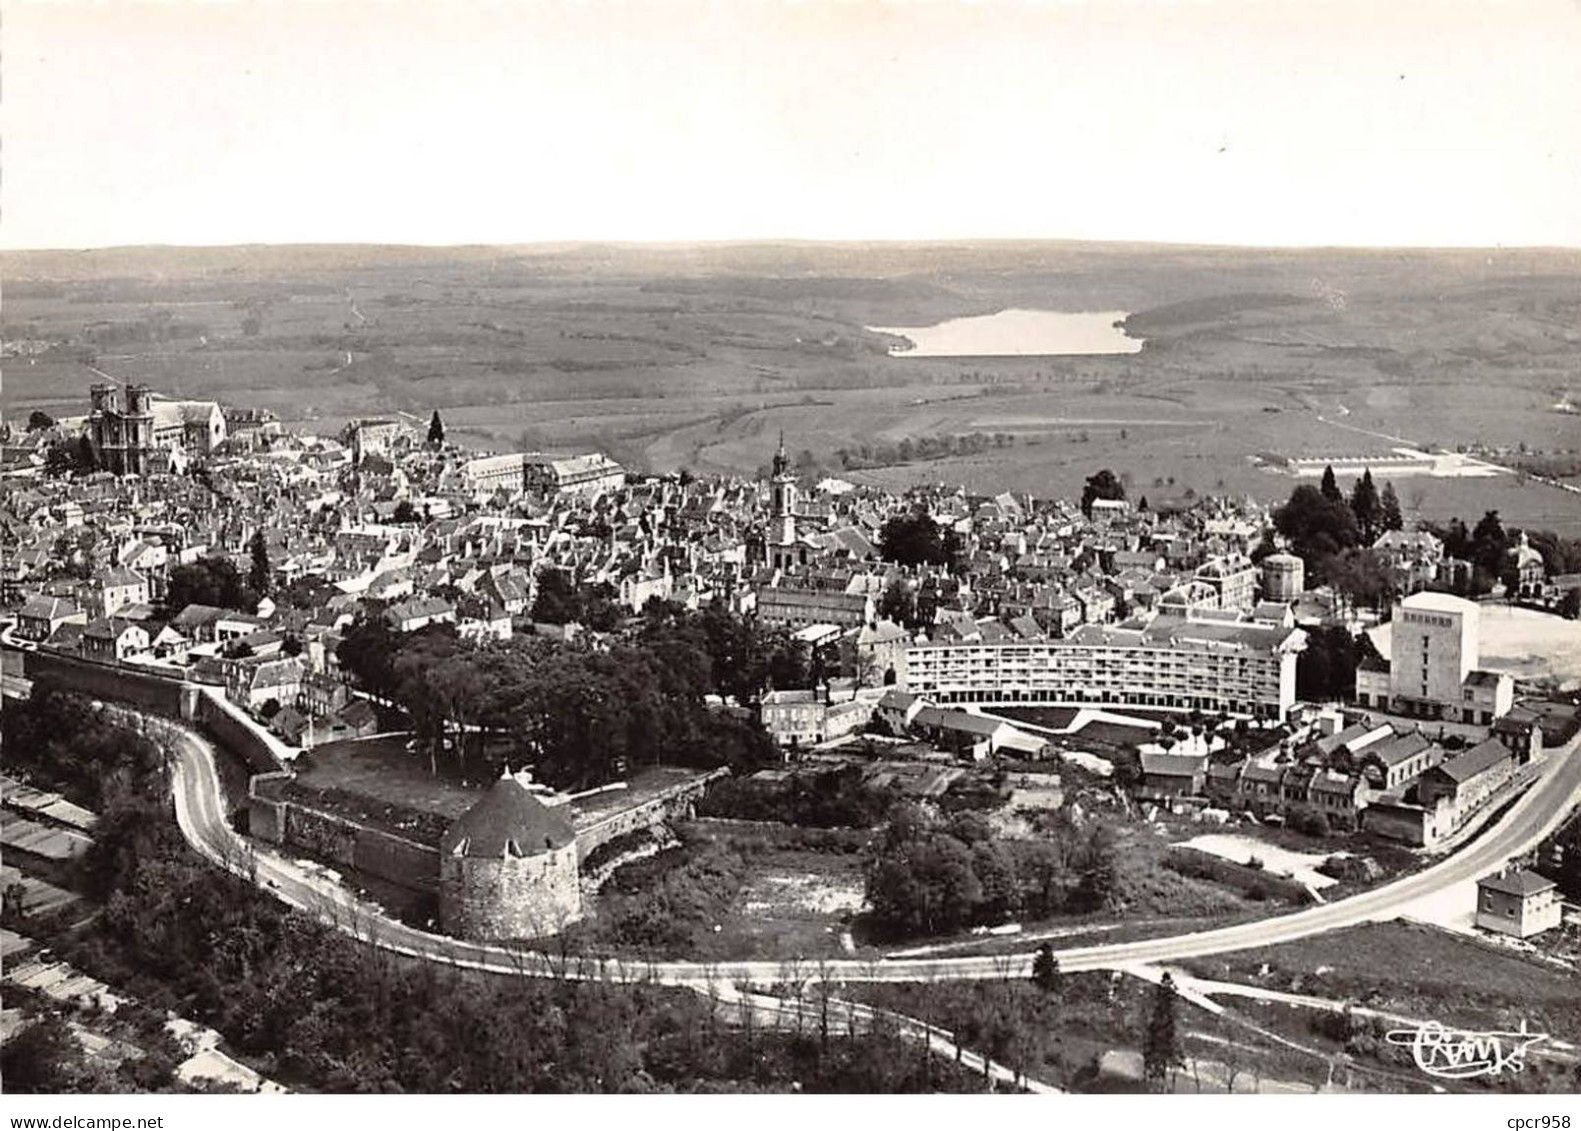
pixel 1519 903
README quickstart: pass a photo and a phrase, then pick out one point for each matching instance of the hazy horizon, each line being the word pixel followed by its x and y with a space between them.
pixel 767 241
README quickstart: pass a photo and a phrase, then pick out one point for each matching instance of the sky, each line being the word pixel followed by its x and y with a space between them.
pixel 1258 122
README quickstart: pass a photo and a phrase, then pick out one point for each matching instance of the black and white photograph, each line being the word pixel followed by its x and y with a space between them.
pixel 790 547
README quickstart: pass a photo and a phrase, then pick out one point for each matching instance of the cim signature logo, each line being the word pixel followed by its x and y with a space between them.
pixel 1457 1054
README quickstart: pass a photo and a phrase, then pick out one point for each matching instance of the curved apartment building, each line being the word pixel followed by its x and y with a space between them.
pixel 1177 663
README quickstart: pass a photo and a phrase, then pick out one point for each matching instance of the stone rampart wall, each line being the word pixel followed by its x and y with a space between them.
pixel 675 803
pixel 157 693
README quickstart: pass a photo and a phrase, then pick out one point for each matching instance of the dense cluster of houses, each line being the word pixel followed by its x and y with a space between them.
pixel 1398 781
pixel 1043 604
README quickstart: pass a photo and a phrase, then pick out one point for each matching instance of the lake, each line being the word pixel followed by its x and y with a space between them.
pixel 1017 333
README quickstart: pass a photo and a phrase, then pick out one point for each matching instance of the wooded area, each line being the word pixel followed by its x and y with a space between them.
pixel 581 716
pixel 316 1010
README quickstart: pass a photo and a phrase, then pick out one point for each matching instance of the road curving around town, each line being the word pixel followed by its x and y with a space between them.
pixel 200 812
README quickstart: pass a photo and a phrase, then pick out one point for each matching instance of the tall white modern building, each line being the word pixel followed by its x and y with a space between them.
pixel 1434 650
pixel 1434 646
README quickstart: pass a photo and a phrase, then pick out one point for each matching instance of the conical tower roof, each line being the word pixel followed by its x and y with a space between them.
pixel 508 821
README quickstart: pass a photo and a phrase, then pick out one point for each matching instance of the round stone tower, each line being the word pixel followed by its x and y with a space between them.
pixel 1284 577
pixel 508 867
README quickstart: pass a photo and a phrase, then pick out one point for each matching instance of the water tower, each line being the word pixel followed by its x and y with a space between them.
pixel 1284 577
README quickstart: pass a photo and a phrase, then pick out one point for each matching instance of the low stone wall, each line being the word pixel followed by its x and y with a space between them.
pixel 266 817
pixel 396 859
pixel 675 803
pixel 320 834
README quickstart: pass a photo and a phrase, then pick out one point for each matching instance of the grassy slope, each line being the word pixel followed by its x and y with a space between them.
pixel 1416 971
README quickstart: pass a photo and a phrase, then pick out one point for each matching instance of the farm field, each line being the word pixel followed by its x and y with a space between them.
pixel 697 357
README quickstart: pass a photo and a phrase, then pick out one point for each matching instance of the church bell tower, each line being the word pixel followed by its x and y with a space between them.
pixel 783 486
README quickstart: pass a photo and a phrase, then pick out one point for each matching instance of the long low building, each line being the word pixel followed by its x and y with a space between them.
pixel 797 606
pixel 585 474
pixel 1173 663
pixel 493 473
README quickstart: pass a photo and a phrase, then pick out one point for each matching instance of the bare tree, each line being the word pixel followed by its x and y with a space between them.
pixel 1232 1066
pixel 711 981
pixel 823 1004
pixel 791 979
pixel 924 995
pixel 745 1010
pixel 523 959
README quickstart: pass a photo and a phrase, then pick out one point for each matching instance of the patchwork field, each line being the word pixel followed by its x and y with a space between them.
pixel 697 357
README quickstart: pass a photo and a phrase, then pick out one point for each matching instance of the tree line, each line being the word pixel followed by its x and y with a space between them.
pixel 1326 668
pixel 1487 547
pixel 215 581
pixel 916 538
pixel 559 600
pixel 920 449
pixel 582 716
pixel 1333 536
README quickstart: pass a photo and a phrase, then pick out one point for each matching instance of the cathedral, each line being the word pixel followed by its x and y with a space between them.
pixel 143 433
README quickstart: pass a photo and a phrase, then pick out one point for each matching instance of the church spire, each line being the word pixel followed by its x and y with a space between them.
pixel 781 461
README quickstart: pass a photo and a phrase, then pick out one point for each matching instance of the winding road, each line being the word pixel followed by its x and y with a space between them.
pixel 200 810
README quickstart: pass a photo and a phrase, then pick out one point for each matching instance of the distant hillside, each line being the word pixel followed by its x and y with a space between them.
pixel 697 356
pixel 781 259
